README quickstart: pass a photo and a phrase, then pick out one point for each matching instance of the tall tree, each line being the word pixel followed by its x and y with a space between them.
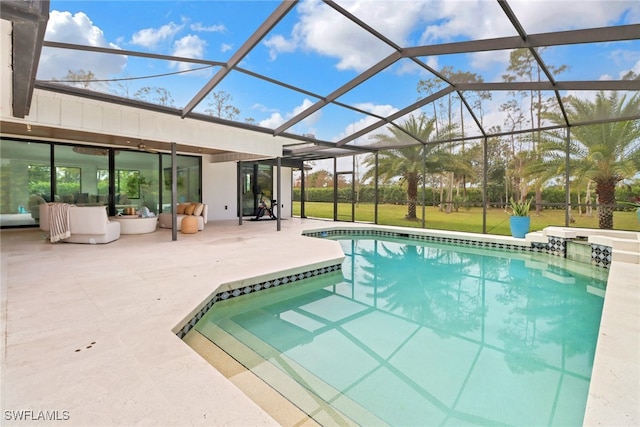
pixel 319 179
pixel 219 106
pixel 524 67
pixel 156 95
pixel 85 79
pixel 606 153
pixel 444 109
pixel 405 157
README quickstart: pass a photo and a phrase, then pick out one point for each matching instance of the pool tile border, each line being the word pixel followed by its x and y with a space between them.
pixel 233 293
pixel 601 256
pixel 534 247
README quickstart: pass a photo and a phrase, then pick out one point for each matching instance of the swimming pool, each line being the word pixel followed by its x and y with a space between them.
pixel 419 333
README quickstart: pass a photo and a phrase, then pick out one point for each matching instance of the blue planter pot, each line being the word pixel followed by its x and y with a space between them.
pixel 519 226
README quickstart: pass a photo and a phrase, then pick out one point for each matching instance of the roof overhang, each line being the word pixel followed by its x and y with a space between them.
pixel 29 18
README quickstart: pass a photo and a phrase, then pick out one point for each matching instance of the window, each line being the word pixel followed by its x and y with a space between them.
pixel 128 183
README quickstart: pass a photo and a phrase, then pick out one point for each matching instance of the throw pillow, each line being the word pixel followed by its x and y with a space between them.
pixel 198 210
pixel 182 207
pixel 190 209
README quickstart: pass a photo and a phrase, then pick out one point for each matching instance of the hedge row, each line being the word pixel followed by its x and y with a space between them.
pixel 394 194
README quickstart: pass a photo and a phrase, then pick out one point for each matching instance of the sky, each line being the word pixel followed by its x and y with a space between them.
pixel 318 50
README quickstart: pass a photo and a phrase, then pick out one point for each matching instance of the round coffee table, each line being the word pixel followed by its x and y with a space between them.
pixel 133 224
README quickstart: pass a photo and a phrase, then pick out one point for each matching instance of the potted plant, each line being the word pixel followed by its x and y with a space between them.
pixel 520 220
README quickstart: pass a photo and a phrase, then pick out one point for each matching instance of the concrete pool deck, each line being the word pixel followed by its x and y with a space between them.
pixel 87 330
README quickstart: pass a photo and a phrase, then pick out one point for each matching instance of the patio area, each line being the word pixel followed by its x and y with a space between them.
pixel 88 330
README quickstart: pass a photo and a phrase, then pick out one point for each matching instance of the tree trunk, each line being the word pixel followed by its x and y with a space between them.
pixel 449 192
pixel 589 209
pixel 412 195
pixel 579 205
pixel 441 208
pixel 605 189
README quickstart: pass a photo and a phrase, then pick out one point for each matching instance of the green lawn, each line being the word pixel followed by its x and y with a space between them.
pixel 464 220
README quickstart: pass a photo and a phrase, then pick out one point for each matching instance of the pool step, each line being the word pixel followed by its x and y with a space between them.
pixel 622 250
pixel 626 245
pixel 625 256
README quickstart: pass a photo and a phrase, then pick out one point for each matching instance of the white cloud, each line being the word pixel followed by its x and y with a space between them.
pixel 572 14
pixel 383 110
pixel 210 29
pixel 188 47
pixel 224 47
pixel 635 69
pixel 278 44
pixel 263 108
pixel 449 20
pixel 151 37
pixel 310 120
pixel 78 29
pixel 276 118
pixel 625 57
pixel 322 30
pixel 351 128
pixel 273 121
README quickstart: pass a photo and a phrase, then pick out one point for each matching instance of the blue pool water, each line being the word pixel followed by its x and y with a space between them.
pixel 417 333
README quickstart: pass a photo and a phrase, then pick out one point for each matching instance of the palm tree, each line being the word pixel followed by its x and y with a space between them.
pixel 605 153
pixel 404 159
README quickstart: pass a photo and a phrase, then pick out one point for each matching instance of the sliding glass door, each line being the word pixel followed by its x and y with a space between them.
pixel 33 172
pixel 257 181
pixel 25 181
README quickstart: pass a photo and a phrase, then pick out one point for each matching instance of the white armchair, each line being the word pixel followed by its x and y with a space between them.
pixel 87 224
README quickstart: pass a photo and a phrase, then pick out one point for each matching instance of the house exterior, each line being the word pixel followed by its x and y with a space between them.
pixel 90 137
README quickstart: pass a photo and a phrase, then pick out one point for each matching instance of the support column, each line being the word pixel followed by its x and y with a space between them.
pixel 279 191
pixel 485 155
pixel 240 193
pixel 174 193
pixel 567 208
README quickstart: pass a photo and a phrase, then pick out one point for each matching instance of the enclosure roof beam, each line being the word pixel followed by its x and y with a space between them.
pixel 396 115
pixel 592 35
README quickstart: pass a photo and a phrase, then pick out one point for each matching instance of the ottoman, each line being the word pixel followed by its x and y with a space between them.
pixel 189 225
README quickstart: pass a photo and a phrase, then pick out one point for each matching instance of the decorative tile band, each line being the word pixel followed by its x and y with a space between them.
pixel 557 246
pixel 226 295
pixel 601 256
pixel 537 247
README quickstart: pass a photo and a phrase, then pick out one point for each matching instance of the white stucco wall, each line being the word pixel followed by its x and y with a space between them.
pixel 285 204
pixel 219 184
pixel 74 113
